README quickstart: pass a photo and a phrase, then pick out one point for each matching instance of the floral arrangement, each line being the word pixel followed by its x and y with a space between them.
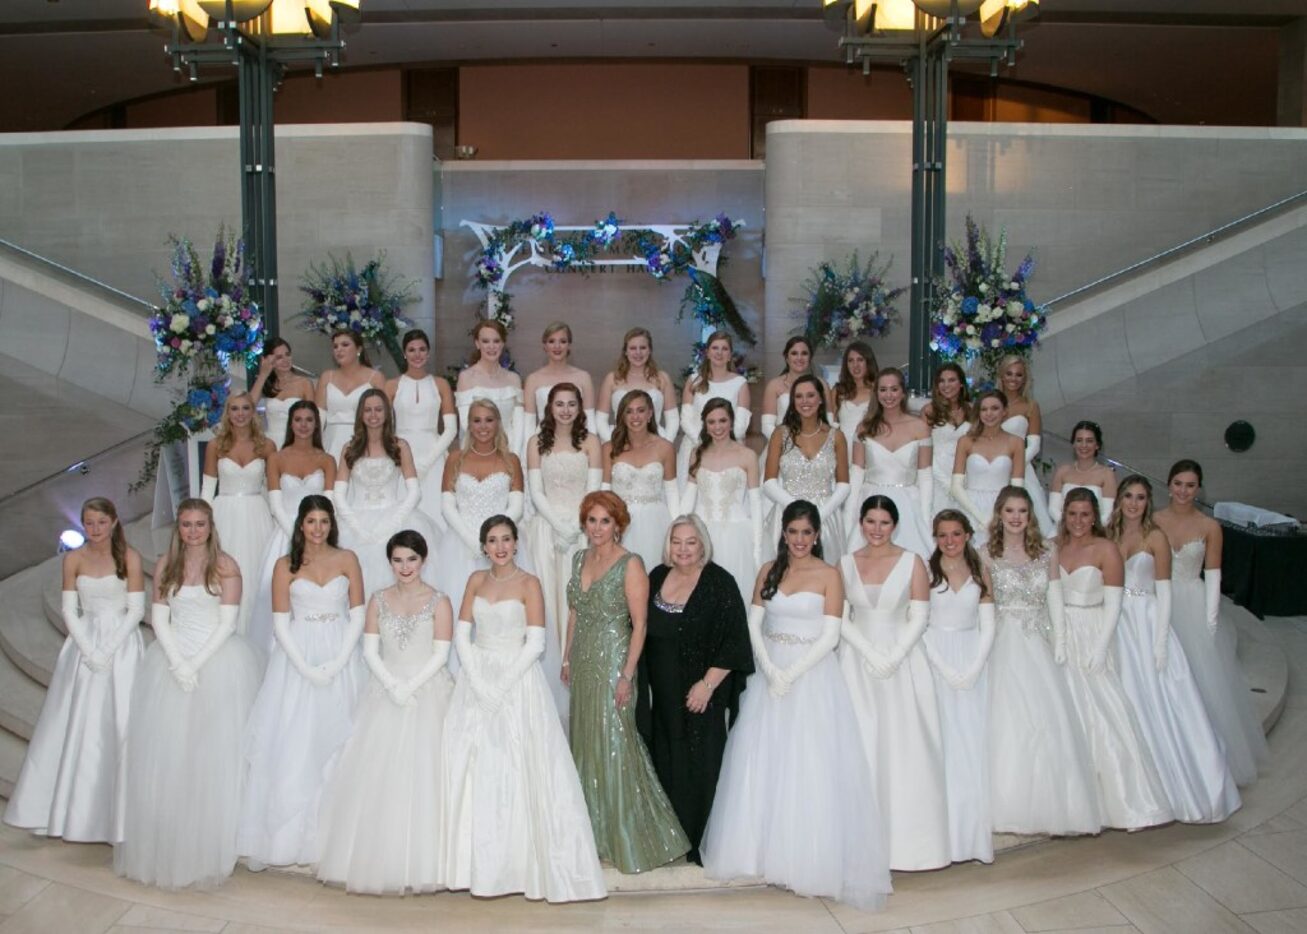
pixel 200 409
pixel 848 305
pixel 340 297
pixel 982 313
pixel 207 312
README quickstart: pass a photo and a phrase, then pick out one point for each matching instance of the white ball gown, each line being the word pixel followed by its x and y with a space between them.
pixel 849 417
pixel 899 719
pixel 722 502
pixel 381 824
pixel 944 439
pixel 1041 776
pixel 893 474
pixel 276 415
pixel 1019 425
pixel 954 638
pixel 418 421
pixel 1214 661
pixel 811 479
pixel 293 490
pixel 984 479
pixel 338 421
pixel 296 729
pixel 641 488
pixel 454 561
pixel 1130 791
pixel 728 389
pixel 71 783
pixel 244 524
pixel 185 763
pixel 514 814
pixel 372 512
pixel 1169 709
pixel 796 801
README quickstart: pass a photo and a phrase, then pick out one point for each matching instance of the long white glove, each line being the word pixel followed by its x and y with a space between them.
pixel 755 522
pixel 1212 587
pixel 988 629
pixel 277 506
pixel 691 424
pixel 594 479
pixel 853 502
pixel 767 426
pixel 470 667
pixel 1112 597
pixel 689 497
pixel 208 489
pixel 1055 498
pixel 1032 447
pixel 405 507
pixel 530 425
pixel 513 508
pixel 228 613
pixel 926 493
pixel 773 490
pixel 603 426
pixel 1162 625
pixel 777 683
pixel 438 660
pixel 835 505
pixel 448 432
pixel 824 644
pixel 872 660
pixel 125 624
pixel 918 618
pixel 532 648
pixel 564 533
pixel 741 425
pixel 517 430
pixel 590 418
pixel 457 524
pixel 357 619
pixel 671 423
pixel 958 488
pixel 1057 616
pixel 281 632
pixel 1105 508
pixel 463 403
pixel 672 495
pixel 80 632
pixel 344 512
pixel 182 672
pixel 372 658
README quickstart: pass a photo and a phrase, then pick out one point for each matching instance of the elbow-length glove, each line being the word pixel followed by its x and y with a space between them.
pixel 1162 625
pixel 1112 597
pixel 689 497
pixel 277 506
pixel 1032 447
pixel 517 430
pixel 513 507
pixel 767 426
pixel 357 620
pixel 824 644
pixel 530 425
pixel 564 533
pixel 345 512
pixel 1057 616
pixel 228 613
pixel 124 625
pixel 777 683
pixel 470 667
pixel 281 632
pixel 438 660
pixel 405 507
pixel 444 439
pixel 672 496
pixel 208 489
pixel 834 505
pixel 958 488
pixel 457 524
pixel 1055 498
pixel 1212 588
pixel 532 648
pixel 372 658
pixel 857 476
pixel 741 424
pixel 926 493
pixel 181 669
pixel 918 619
pixel 671 423
pixel 80 632
pixel 594 479
pixel 871 659
pixel 603 426
pixel 691 424
pixel 966 679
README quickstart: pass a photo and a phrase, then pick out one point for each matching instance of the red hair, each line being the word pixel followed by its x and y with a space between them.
pixel 611 503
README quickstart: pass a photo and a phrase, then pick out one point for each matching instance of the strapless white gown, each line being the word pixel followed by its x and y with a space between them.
pixel 514 817
pixel 293 490
pixel 276 415
pixel 376 488
pixel 381 825
pixel 1214 661
pixel 338 420
pixel 812 479
pixel 984 480
pixel 1019 425
pixel 451 562
pixel 894 474
pixel 183 795
pixel 71 784
pixel 641 488
pixel 944 439
pixel 728 389
pixel 723 505
pixel 849 418
pixel 1169 709
pixel 297 729
pixel 244 525
pixel 418 421
pixel 899 720
pixel 796 801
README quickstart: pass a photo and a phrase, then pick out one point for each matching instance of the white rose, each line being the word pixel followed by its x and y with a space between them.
pixel 984 288
pixel 1014 309
pixel 203 304
pixel 185 347
pixel 995 342
pixel 1014 286
pixel 210 330
pixel 984 313
pixel 1011 328
pixel 179 323
pixel 849 296
pixel 973 343
pixel 355 316
pixel 971 329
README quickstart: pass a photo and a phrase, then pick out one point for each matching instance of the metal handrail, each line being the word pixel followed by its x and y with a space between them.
pixel 83 464
pixel 1199 240
pixel 148 307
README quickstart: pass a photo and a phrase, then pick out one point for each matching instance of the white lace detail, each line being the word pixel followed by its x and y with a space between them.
pixel 564 474
pixel 235 480
pixel 638 484
pixel 722 494
pixel 372 481
pixel 478 500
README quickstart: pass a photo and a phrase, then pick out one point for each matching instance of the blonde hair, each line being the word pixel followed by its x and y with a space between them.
pixel 1027 384
pixel 705 540
pixel 1116 521
pixel 174 566
pixel 623 368
pixel 224 436
pixel 1033 542
pixel 553 328
pixel 501 439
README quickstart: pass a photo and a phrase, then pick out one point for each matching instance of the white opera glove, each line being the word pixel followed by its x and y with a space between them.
pixel 329 495
pixel 358 617
pixel 767 426
pixel 372 658
pixel 517 431
pixel 854 500
pixel 594 479
pixel 208 489
pixel 1055 498
pixel 951 676
pixel 741 424
pixel 438 660
pixel 1057 616
pixel 1162 625
pixel 463 403
pixel 79 631
pixel 773 490
pixel 470 667
pixel 824 644
pixel 689 497
pixel 672 495
pixel 754 496
pixel 277 506
pixel 926 492
pixel 127 623
pixel 532 648
pixel 513 508
pixel 777 683
pixel 412 496
pixel 1105 508
pixel 835 504
pixel 918 619
pixel 530 425
pixel 1032 447
pixel 535 482
pixel 281 632
pixel 988 630
pixel 1212 587
pixel 445 439
pixel 590 419
pixel 603 426
pixel 344 513
pixel 691 424
pixel 1112 597
pixel 872 660
pixel 228 614
pixel 1017 481
pixel 454 519
pixel 181 669
pixel 958 488
pixel 671 423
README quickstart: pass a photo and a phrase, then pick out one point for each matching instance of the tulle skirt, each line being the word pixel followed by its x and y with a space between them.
pixel 1172 719
pixel 1214 661
pixel 185 770
pixel 295 733
pixel 381 825
pixel 72 782
pixel 913 529
pixel 244 525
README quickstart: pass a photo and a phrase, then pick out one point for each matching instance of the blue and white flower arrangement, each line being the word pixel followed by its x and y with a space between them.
pixel 341 297
pixel 850 304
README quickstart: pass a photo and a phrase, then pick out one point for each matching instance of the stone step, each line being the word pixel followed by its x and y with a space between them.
pixel 20 699
pixel 12 751
pixel 27 635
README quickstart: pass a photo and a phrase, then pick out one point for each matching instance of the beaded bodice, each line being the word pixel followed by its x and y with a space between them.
pixel 235 480
pixel 1021 593
pixel 1140 575
pixel 807 478
pixel 500 626
pixel 294 489
pixel 373 482
pixel 564 476
pixel 890 468
pixel 722 494
pixel 478 500
pixel 417 405
pixel 311 602
pixel 406 639
pixel 603 621
pixel 983 474
pixel 1187 560
pixel 792 620
pixel 638 484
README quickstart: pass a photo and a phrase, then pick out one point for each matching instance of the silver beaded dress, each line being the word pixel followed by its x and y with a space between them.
pixel 812 479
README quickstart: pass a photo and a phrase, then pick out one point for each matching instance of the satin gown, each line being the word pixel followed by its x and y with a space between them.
pixel 244 524
pixel 338 421
pixel 894 474
pixel 293 489
pixel 514 816
pixel 985 479
pixel 418 421
pixel 899 719
pixel 72 781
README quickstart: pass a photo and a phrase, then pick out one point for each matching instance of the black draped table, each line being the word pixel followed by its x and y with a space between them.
pixel 1264 571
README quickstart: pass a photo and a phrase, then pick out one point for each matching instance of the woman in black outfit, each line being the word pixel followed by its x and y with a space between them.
pixel 695 662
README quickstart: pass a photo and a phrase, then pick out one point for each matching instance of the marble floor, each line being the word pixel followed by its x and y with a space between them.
pixel 1246 875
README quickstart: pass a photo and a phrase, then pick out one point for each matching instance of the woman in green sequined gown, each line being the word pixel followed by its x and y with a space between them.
pixel 634 825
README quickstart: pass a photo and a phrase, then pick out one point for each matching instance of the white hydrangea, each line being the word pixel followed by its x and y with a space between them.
pixel 179 323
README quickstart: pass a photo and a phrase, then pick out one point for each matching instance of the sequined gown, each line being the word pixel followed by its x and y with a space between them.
pixel 515 819
pixel 634 825
pixel 894 474
pixel 814 480
pixel 371 516
pixel 1041 775
pixel 418 421
pixel 641 488
pixel 723 505
pixel 381 824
